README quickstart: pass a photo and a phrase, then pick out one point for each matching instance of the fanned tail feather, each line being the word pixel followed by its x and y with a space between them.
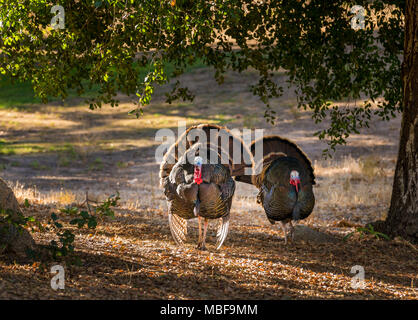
pixel 222 231
pixel 186 140
pixel 274 147
pixel 178 228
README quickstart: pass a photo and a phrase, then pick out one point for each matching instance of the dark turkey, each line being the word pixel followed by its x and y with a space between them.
pixel 209 198
pixel 284 178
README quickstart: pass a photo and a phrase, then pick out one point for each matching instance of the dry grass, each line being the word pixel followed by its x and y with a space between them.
pixel 354 182
pixel 59 198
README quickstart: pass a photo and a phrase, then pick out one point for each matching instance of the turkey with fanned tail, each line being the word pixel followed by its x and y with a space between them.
pixel 198 181
pixel 284 177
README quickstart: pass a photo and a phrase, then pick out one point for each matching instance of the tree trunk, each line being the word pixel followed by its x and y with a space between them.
pixel 12 238
pixel 402 218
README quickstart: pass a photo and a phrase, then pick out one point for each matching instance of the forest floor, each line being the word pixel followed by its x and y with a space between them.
pixel 52 154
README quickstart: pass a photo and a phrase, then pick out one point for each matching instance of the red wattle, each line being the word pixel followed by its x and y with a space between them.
pixel 198 175
pixel 295 183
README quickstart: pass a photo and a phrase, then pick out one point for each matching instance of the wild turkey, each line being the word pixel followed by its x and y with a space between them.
pixel 202 191
pixel 284 178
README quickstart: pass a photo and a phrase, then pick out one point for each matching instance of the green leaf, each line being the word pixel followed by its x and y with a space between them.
pixel 348 236
pixel 92 223
pixel 84 214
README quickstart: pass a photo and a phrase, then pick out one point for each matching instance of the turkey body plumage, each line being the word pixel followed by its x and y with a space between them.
pixel 280 199
pixel 213 195
pixel 210 199
pixel 283 200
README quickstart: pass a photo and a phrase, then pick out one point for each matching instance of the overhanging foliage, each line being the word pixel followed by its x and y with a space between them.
pixel 110 43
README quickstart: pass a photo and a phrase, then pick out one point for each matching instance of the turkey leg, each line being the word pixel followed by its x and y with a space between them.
pixel 202 239
pixel 283 226
pixel 205 229
pixel 288 231
pixel 200 232
pixel 292 230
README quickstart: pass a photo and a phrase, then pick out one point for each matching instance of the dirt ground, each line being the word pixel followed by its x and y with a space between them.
pixel 52 154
